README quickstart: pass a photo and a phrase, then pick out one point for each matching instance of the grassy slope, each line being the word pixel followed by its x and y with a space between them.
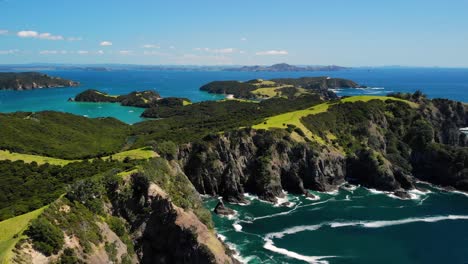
pixel 141 153
pixel 294 118
pixel 9 228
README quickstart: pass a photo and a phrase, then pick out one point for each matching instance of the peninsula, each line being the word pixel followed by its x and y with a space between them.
pixel 20 81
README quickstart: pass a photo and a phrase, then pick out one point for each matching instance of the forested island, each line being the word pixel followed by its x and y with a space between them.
pixel 31 80
pixel 286 87
pixel 131 193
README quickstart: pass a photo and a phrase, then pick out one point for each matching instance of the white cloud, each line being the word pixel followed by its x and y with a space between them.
pixel 100 52
pixel 151 46
pixel 35 34
pixel 82 52
pixel 125 52
pixel 3 32
pixel 28 34
pixel 272 52
pixel 105 43
pixel 243 39
pixel 8 52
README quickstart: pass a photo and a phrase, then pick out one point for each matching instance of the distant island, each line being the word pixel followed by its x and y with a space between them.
pixel 31 80
pixel 282 87
pixel 280 67
pixel 284 67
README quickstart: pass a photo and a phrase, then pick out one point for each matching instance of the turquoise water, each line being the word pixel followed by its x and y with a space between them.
pixel 447 83
pixel 358 226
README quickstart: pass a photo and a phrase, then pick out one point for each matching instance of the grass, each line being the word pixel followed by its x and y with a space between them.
pixel 185 102
pixel 141 153
pixel 11 227
pixel 27 158
pixel 269 91
pixel 294 118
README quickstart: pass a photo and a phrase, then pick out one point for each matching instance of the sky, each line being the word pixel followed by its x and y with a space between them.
pixel 227 32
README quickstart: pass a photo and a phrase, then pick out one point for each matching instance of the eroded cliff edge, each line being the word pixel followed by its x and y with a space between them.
pixel 386 145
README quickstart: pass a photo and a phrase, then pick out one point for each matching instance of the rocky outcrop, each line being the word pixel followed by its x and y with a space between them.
pixel 172 235
pixel 31 80
pixel 163 232
pixel 221 209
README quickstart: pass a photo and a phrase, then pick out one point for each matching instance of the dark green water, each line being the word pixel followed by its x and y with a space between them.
pixel 358 226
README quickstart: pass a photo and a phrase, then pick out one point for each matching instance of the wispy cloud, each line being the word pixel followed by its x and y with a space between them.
pixel 220 51
pixel 83 52
pixel 100 52
pixel 8 52
pixel 154 53
pixel 52 52
pixel 105 43
pixel 35 34
pixel 272 52
pixel 74 38
pixel 3 31
pixel 125 52
pixel 151 46
pixel 243 39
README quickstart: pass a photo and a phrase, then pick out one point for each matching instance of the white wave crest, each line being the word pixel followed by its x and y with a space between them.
pixel 385 223
pixel 309 259
pixel 237 227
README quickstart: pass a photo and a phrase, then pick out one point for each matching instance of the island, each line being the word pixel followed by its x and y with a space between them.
pixel 284 67
pixel 20 81
pixel 143 99
pixel 286 87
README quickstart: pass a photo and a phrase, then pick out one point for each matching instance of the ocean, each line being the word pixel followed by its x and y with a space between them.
pixel 348 226
pixel 435 82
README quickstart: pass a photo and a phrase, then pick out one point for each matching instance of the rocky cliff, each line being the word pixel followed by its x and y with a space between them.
pixel 127 218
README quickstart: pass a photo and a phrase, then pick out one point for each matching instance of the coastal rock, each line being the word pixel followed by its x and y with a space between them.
pixel 221 209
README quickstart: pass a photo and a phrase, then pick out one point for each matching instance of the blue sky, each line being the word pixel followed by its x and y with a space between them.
pixel 208 32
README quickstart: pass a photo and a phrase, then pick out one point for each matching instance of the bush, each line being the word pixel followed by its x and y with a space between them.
pixel 166 149
pixel 88 192
pixel 46 237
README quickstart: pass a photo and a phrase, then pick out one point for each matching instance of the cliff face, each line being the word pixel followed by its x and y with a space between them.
pixel 259 162
pixel 447 117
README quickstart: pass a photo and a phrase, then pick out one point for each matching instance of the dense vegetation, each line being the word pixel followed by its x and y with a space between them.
pixel 316 83
pixel 192 122
pixel 137 99
pixel 46 237
pixel 31 80
pixel 246 89
pixel 61 135
pixel 25 187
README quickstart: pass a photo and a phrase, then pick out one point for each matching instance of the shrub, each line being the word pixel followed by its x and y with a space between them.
pixel 46 237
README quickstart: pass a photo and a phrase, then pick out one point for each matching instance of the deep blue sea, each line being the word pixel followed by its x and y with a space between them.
pixel 349 226
pixel 435 82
